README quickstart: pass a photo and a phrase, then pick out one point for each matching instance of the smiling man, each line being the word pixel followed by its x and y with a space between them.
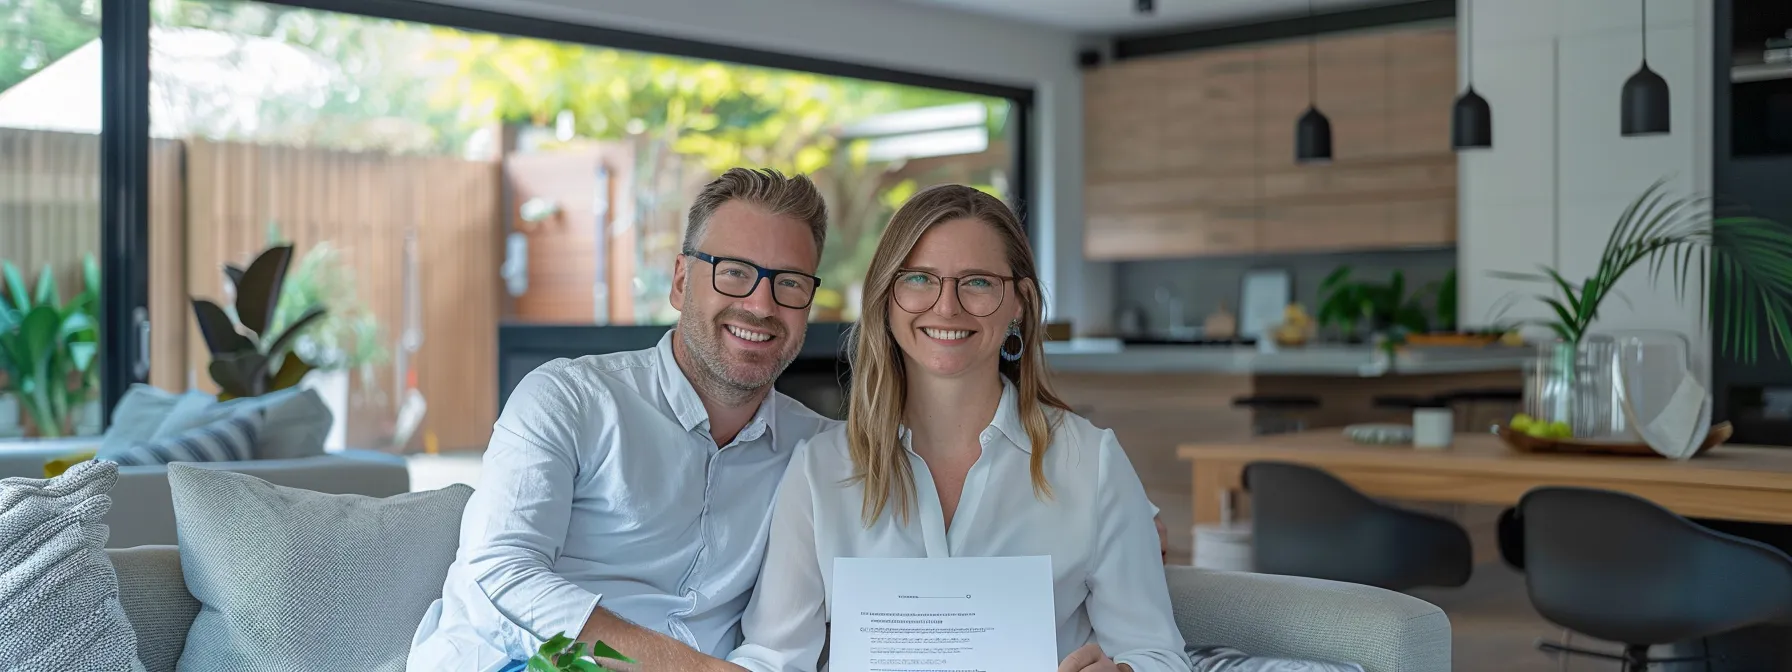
pixel 626 497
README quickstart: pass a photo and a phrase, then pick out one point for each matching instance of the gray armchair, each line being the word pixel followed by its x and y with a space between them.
pixel 1314 619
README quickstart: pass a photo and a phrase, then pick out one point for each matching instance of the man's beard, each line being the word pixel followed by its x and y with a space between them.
pixel 723 374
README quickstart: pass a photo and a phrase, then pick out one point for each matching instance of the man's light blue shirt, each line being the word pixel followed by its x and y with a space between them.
pixel 603 487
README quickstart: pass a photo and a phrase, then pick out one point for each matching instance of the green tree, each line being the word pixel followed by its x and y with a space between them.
pixel 36 33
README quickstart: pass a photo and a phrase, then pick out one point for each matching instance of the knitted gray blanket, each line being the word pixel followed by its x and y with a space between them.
pixel 59 601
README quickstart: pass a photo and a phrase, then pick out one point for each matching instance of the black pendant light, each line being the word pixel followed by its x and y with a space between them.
pixel 1645 100
pixel 1313 133
pixel 1471 122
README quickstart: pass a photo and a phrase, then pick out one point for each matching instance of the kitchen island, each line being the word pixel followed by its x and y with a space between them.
pixel 1157 397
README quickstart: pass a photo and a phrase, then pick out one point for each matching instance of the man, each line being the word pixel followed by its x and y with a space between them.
pixel 626 497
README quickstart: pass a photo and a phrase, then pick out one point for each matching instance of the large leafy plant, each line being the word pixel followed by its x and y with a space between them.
pixel 250 357
pixel 49 349
pixel 1346 303
pixel 561 654
pixel 1750 261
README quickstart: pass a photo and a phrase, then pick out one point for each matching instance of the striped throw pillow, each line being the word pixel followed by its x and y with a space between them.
pixel 231 439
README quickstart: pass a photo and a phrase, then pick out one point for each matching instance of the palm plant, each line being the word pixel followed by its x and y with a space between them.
pixel 1750 280
pixel 48 349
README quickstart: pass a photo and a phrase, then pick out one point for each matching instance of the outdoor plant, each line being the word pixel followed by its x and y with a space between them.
pixel 348 337
pixel 48 349
pixel 1750 281
pixel 561 654
pixel 250 357
pixel 1347 303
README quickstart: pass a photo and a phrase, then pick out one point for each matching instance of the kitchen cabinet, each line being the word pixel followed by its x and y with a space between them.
pixel 1193 154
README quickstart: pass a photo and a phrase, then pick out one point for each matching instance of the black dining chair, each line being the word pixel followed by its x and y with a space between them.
pixel 1617 567
pixel 1306 522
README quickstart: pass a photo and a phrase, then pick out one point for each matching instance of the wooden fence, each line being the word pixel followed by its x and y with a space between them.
pixel 212 203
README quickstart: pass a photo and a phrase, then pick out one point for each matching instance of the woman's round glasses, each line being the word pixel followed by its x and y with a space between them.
pixel 978 294
pixel 739 277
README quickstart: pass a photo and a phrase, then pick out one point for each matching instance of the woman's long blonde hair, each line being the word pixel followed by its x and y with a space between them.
pixel 879 381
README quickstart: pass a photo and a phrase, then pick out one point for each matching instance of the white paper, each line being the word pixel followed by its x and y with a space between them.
pixel 943 615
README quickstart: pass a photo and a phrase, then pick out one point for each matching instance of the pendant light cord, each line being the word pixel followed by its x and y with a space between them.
pixel 1312 59
pixel 1468 41
pixel 1645 4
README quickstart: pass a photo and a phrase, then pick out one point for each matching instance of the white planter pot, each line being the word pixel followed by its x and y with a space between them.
pixel 10 410
pixel 332 387
pixel 89 418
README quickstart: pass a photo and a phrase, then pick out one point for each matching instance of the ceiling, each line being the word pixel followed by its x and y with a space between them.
pixel 1119 16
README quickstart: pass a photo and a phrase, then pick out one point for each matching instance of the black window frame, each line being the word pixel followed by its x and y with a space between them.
pixel 124 236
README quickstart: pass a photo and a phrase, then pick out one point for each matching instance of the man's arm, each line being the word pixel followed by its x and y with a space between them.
pixel 651 650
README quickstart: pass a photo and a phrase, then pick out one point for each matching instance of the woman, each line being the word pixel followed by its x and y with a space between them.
pixel 955 445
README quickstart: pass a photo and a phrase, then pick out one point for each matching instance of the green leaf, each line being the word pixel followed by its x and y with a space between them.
pixel 84 354
pixel 234 372
pixel 218 330
pixel 46 287
pixel 540 664
pixel 293 331
pixel 292 370
pixel 602 650
pixel 584 665
pixel 15 285
pixel 90 274
pixel 555 645
pixel 259 293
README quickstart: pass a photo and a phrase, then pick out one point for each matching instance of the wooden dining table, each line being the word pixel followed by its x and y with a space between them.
pixel 1730 482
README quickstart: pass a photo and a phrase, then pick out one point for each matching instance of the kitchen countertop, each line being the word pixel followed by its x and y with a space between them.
pixel 1107 355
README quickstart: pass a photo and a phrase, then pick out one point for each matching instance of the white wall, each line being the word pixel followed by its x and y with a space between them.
pixel 899 35
pixel 1560 174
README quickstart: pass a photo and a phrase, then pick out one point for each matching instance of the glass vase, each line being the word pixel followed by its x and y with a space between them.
pixel 1575 383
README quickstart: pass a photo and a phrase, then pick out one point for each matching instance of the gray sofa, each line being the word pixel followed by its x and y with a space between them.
pixel 1266 615
pixel 143 510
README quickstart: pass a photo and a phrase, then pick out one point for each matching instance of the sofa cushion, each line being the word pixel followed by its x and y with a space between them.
pixel 138 416
pixel 59 604
pixel 296 420
pixel 231 439
pixel 300 580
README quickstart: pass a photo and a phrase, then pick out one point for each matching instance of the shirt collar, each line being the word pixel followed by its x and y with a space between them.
pixel 688 407
pixel 1006 422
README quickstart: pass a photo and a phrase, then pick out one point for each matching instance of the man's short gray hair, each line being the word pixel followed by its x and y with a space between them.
pixel 793 196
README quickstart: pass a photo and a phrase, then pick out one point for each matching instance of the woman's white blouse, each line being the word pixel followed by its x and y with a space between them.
pixel 1108 576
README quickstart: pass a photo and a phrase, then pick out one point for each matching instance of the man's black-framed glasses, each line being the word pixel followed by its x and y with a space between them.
pixel 739 277
pixel 979 294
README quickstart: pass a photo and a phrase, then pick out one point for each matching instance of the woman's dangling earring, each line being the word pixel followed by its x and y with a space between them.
pixel 1014 333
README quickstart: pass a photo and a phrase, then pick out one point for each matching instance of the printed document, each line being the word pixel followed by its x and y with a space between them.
pixel 943 615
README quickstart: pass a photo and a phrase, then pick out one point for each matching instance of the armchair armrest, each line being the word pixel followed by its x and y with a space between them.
pixel 1312 619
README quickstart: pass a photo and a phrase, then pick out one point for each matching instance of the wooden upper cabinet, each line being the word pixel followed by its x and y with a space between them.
pixel 1210 111
pixel 1353 94
pixel 1283 90
pixel 1422 88
pixel 1193 154
pixel 1122 116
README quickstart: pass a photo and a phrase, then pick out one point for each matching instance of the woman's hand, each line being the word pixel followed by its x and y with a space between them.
pixel 1090 659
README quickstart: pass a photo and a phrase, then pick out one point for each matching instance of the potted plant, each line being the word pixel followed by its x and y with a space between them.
pixel 48 349
pixel 1384 308
pixel 347 339
pixel 561 654
pixel 1750 282
pixel 251 356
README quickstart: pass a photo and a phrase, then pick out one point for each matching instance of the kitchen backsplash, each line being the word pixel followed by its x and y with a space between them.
pixel 1203 284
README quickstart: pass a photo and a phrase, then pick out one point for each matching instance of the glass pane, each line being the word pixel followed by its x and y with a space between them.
pixel 435 182
pixel 49 222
